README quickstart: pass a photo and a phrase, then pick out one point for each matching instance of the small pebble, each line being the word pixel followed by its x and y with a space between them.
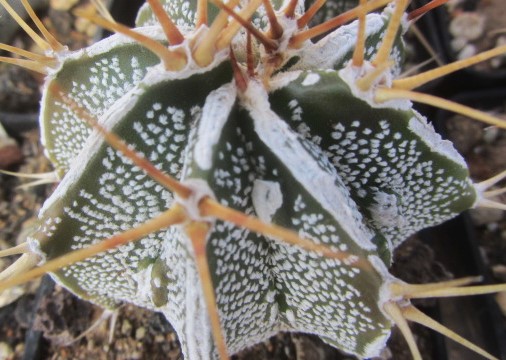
pixel 499 272
pixel 126 327
pixel 468 51
pixel 501 40
pixel 12 294
pixel 86 27
pixel 467 25
pixel 492 226
pixel 135 355
pixel 499 60
pixel 140 333
pixel 496 63
pixel 83 25
pixel 490 134
pixel 20 348
pixel 171 336
pixel 458 43
pixel 90 344
pixel 10 153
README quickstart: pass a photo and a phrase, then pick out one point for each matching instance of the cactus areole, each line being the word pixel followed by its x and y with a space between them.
pixel 258 119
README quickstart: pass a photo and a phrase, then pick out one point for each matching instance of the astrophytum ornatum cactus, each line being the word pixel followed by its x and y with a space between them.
pixel 266 178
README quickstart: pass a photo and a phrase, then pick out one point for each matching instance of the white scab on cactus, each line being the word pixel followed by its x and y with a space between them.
pixel 267 198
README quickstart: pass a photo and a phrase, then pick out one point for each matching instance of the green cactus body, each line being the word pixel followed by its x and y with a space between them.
pixel 414 176
pixel 311 153
pixel 95 78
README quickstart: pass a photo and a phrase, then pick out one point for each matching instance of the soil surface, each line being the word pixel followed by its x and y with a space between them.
pixel 47 322
pixel 476 26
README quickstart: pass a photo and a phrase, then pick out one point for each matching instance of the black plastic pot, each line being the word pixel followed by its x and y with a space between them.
pixel 477 318
pixel 428 29
pixel 456 244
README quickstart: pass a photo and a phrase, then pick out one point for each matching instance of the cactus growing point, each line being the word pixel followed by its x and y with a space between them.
pixel 221 168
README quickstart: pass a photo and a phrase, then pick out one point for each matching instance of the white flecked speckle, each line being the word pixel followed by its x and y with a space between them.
pixel 311 79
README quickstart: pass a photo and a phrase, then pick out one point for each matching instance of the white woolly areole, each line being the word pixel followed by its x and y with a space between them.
pixel 267 199
pixel 290 27
pixel 283 142
pixel 199 190
pixel 425 131
pixel 34 247
pixel 350 74
pixel 215 113
pixel 385 295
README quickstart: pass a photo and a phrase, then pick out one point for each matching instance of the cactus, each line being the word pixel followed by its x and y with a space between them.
pixel 221 168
